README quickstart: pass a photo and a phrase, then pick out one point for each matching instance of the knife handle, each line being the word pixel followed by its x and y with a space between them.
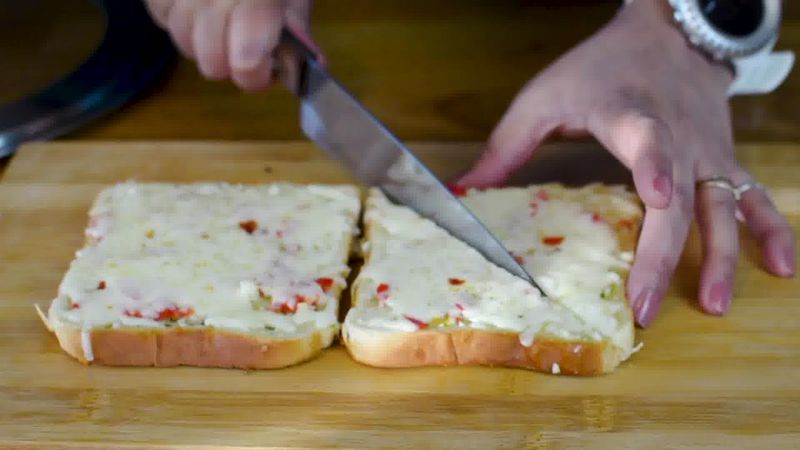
pixel 291 60
pixel 289 39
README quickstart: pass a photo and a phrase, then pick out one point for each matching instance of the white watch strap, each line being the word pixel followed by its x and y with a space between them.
pixel 760 73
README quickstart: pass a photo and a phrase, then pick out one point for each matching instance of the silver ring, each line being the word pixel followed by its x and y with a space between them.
pixel 726 184
pixel 744 187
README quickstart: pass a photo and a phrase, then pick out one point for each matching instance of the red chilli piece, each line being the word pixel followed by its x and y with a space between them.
pixel 553 240
pixel 383 292
pixel 174 313
pixel 75 305
pixel 543 195
pixel 420 324
pixel 325 283
pixel 455 281
pixel 287 308
pixel 519 259
pixel 133 313
pixel 249 226
pixel 457 190
pixel 597 218
pixel 101 285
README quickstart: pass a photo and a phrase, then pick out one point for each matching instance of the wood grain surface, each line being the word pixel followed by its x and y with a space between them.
pixel 700 381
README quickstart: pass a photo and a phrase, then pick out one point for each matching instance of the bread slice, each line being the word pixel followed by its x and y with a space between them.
pixel 212 275
pixel 426 298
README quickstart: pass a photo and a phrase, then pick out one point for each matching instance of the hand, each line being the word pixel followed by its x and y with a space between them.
pixel 661 108
pixel 233 38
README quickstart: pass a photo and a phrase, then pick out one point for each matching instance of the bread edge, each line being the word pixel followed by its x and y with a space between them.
pixel 382 348
pixel 201 347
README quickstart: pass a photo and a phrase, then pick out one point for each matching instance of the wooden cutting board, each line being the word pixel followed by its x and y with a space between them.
pixel 699 381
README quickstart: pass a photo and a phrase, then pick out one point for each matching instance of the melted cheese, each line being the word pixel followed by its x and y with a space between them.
pixel 86 343
pixel 434 278
pixel 577 271
pixel 214 255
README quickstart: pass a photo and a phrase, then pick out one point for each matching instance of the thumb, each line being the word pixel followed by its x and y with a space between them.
pixel 520 131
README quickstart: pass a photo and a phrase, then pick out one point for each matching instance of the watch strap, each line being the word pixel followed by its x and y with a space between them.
pixel 760 73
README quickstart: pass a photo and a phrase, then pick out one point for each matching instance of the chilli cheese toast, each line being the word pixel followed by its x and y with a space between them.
pixel 208 274
pixel 426 298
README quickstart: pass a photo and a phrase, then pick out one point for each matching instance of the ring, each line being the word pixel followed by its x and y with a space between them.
pixel 726 184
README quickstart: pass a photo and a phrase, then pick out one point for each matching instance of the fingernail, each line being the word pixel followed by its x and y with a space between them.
pixel 248 56
pixel 663 185
pixel 719 298
pixel 645 307
pixel 789 263
pixel 780 260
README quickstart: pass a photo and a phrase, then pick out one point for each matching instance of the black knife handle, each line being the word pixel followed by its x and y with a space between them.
pixel 292 68
pixel 289 39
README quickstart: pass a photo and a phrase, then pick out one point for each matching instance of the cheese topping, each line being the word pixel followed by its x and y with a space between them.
pixel 433 279
pixel 268 258
pixel 571 252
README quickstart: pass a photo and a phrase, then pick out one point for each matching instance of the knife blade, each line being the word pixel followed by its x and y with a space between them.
pixel 338 123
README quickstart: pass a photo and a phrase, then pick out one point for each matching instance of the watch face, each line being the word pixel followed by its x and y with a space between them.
pixel 733 17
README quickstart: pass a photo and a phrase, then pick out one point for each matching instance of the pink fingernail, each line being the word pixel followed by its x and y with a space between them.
pixel 780 260
pixel 248 56
pixel 663 185
pixel 789 263
pixel 719 297
pixel 645 307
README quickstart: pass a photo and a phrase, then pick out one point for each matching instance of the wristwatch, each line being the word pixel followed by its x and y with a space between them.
pixel 741 33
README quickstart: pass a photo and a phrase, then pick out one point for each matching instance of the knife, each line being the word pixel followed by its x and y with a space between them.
pixel 332 118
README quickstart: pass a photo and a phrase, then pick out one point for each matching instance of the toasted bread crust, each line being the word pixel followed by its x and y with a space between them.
pixel 382 348
pixel 469 346
pixel 202 347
